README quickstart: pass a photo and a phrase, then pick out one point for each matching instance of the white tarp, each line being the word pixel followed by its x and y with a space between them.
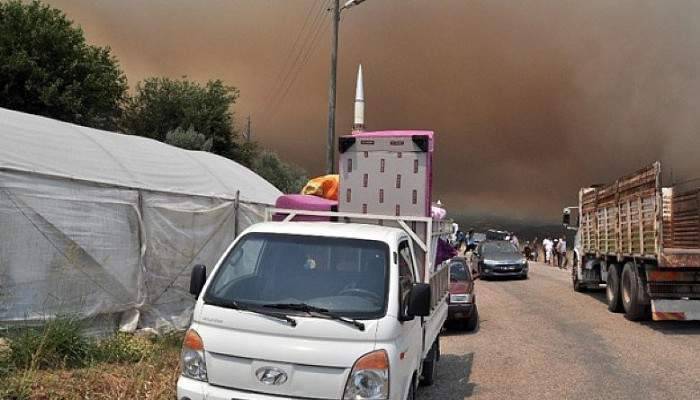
pixel 98 223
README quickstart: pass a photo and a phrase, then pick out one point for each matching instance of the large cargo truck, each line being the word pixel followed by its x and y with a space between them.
pixel 641 242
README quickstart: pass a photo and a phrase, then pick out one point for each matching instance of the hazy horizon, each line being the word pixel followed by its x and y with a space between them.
pixel 529 100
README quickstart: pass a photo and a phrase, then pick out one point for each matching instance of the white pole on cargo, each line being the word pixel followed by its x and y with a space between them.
pixel 359 123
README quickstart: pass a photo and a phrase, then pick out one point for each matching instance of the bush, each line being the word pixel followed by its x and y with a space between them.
pixel 122 347
pixel 58 343
pixel 188 139
pixel 287 178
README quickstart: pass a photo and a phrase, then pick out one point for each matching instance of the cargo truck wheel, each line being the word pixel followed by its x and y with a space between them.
pixel 612 289
pixel 578 287
pixel 430 366
pixel 634 301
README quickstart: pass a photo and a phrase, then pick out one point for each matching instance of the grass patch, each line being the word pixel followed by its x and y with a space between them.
pixel 55 362
pixel 58 343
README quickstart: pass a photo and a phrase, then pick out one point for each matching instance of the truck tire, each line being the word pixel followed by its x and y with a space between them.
pixel 430 366
pixel 578 287
pixel 612 289
pixel 636 306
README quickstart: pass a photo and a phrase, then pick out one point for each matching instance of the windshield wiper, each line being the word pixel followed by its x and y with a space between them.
pixel 238 306
pixel 317 311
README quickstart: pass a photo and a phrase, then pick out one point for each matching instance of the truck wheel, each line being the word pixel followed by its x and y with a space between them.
pixel 612 289
pixel 633 299
pixel 473 321
pixel 578 287
pixel 430 366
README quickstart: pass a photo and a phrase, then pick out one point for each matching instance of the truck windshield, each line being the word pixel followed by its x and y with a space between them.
pixel 345 276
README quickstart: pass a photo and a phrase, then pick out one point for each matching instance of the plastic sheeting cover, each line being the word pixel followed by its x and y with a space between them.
pixel 107 226
pixel 42 145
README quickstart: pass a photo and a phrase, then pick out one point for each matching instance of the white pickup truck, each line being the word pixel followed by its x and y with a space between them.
pixel 318 310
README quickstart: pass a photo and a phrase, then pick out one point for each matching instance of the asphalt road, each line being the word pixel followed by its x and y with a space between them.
pixel 538 339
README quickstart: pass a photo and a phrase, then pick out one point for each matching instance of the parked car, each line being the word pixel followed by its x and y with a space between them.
pixel 493 234
pixel 462 302
pixel 496 258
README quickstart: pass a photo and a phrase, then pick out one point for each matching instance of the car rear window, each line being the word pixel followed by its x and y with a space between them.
pixel 459 271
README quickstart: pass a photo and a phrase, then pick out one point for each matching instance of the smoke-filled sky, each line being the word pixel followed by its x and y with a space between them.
pixel 529 99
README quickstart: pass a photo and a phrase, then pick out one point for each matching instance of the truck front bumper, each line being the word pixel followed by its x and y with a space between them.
pixel 190 389
pixel 675 310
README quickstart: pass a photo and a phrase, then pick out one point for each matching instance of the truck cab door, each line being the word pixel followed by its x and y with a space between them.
pixel 410 343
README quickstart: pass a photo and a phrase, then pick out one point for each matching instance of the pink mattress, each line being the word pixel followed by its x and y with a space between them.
pixel 304 202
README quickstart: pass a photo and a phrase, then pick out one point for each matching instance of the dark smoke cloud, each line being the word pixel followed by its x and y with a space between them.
pixel 530 100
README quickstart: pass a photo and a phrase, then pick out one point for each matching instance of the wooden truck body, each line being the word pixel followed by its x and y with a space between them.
pixel 642 241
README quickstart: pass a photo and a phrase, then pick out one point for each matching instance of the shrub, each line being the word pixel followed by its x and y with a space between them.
pixel 58 343
pixel 188 139
pixel 122 347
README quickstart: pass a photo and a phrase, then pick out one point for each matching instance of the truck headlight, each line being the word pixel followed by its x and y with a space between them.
pixel 369 378
pixel 193 363
pixel 460 298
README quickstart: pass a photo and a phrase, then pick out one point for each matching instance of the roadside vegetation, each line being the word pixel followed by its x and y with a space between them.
pixel 56 361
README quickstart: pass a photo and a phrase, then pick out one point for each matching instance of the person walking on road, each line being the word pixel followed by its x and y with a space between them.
pixel 471 242
pixel 514 240
pixel 527 251
pixel 548 246
pixel 561 253
pixel 459 240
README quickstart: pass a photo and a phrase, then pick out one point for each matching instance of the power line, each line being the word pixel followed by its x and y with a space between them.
pixel 278 79
pixel 310 50
pixel 307 38
pixel 309 42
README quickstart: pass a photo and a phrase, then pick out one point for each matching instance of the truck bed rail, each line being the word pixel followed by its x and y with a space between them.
pixel 412 225
pixel 623 217
pixel 635 217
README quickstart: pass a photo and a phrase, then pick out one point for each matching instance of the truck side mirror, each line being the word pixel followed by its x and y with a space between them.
pixel 420 300
pixel 197 279
pixel 566 217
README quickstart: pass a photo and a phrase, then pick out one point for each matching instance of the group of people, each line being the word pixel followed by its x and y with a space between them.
pixel 467 240
pixel 555 252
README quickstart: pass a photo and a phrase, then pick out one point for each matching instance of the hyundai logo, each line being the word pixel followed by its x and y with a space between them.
pixel 271 376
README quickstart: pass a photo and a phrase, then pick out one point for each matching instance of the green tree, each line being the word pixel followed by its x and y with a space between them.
pixel 47 68
pixel 286 177
pixel 188 139
pixel 161 105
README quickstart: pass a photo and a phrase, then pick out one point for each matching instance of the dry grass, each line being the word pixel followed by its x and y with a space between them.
pixel 147 379
pixel 122 367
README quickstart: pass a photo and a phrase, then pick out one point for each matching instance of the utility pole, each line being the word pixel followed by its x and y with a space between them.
pixel 330 145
